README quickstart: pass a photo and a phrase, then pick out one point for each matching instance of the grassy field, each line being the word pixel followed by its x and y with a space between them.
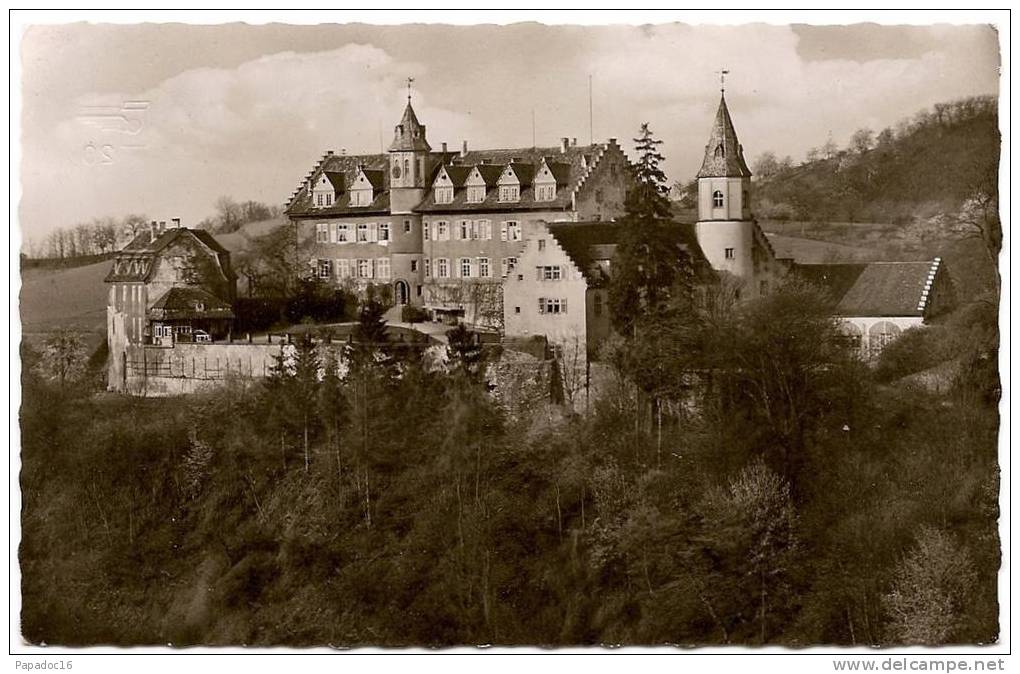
pixel 64 298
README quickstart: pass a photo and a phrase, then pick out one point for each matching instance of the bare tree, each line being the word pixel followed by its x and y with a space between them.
pixel 926 604
pixel 862 140
pixel 64 356
pixel 766 165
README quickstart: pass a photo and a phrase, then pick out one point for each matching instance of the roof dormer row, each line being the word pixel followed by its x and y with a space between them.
pixel 509 180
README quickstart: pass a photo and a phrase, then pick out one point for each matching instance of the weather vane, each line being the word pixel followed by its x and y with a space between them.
pixel 722 79
pixel 410 80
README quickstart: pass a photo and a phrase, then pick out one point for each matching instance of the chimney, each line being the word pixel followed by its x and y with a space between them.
pixel 152 231
pixel 463 150
pixel 329 153
pixel 563 145
pixel 573 142
pixel 177 222
pixel 444 147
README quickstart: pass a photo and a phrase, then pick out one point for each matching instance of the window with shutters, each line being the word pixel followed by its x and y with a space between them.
pixel 344 268
pixel 442 231
pixel 547 305
pixel 513 230
pixel 442 267
pixel 465 267
pixel 382 268
pixel 363 231
pixel 322 233
pixel 483 267
pixel 342 234
pixel 364 269
pixel 325 268
pixel 486 229
pixel 384 231
pixel 465 230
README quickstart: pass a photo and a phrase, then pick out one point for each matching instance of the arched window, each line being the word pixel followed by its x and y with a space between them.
pixel 407 167
pixel 717 199
pixel 720 151
pixel 881 334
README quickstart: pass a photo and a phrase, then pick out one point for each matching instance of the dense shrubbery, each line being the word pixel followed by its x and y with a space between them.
pixel 413 314
pixel 398 506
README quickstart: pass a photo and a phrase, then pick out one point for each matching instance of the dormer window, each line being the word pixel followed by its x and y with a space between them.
pixel 509 193
pixel 476 194
pixel 361 197
pixel 717 199
pixel 720 151
pixel 444 195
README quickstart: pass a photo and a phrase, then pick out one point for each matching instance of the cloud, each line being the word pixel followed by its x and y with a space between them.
pixel 252 129
pixel 250 132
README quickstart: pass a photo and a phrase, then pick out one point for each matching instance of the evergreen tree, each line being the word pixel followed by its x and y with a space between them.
pixel 649 262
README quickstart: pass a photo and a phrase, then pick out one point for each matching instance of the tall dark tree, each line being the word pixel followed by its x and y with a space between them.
pixel 649 260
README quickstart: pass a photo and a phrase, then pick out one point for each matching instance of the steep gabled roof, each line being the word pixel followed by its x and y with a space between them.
pixel 724 157
pixel 560 171
pixel 376 178
pixel 144 248
pixel 457 174
pixel 489 172
pixel 336 179
pixel 876 288
pixel 585 243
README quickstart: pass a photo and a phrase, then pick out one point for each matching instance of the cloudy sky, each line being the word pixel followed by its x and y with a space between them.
pixel 160 119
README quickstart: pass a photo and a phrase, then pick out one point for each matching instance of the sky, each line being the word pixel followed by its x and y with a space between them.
pixel 161 119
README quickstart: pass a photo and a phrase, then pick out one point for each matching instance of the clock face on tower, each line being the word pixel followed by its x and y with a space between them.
pixel 396 170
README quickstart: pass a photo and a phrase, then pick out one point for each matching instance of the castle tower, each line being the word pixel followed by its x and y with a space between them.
pixel 409 153
pixel 725 227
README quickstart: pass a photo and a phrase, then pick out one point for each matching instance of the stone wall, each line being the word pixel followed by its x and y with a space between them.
pixel 188 368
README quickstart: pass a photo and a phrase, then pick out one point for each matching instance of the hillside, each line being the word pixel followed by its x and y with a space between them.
pixel 75 296
pixel 929 165
pixel 64 298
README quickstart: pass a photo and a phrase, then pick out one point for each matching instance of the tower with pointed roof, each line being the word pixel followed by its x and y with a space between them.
pixel 725 225
pixel 409 162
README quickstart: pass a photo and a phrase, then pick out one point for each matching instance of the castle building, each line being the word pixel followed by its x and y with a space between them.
pixel 726 229
pixel 440 230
